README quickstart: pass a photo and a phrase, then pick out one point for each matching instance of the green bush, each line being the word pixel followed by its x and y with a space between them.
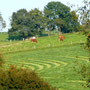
pixel 84 71
pixel 21 79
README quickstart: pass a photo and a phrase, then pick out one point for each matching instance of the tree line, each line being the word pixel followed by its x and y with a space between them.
pixel 55 16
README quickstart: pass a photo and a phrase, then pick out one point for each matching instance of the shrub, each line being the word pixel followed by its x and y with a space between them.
pixel 21 79
pixel 88 42
pixel 84 71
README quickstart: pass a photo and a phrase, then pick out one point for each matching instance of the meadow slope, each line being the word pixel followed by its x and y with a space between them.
pixel 54 61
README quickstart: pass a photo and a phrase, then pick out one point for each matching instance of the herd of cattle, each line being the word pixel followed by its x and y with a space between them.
pixel 60 37
pixel 33 39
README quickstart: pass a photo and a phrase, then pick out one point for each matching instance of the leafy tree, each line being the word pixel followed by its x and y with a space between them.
pixel 84 13
pixel 18 28
pixel 74 21
pixel 2 22
pixel 25 24
pixel 60 13
pixel 60 23
pixel 37 21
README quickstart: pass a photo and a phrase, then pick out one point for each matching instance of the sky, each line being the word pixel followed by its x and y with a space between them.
pixel 7 7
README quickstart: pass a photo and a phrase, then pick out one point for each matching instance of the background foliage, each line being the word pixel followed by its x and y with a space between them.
pixel 55 16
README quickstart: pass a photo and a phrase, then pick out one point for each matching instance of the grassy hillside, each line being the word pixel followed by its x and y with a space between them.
pixel 3 36
pixel 43 42
pixel 54 61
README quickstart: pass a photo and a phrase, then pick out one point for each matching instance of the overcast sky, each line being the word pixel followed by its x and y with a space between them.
pixel 7 7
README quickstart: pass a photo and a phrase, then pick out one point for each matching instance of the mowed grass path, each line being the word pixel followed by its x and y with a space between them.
pixel 52 60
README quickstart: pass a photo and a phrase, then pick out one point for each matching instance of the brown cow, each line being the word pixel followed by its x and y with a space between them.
pixel 61 37
pixel 33 39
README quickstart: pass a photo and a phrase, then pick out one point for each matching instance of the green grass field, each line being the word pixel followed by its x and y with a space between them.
pixel 54 61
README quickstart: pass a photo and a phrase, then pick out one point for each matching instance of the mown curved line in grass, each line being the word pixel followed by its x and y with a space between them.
pixel 49 64
pixel 75 58
pixel 45 65
pixel 45 60
pixel 40 67
pixel 61 62
pixel 31 65
pixel 74 81
pixel 80 81
pixel 55 62
pixel 79 57
pixel 40 63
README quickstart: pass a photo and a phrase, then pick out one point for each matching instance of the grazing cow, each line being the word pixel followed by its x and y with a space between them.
pixel 33 39
pixel 61 37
